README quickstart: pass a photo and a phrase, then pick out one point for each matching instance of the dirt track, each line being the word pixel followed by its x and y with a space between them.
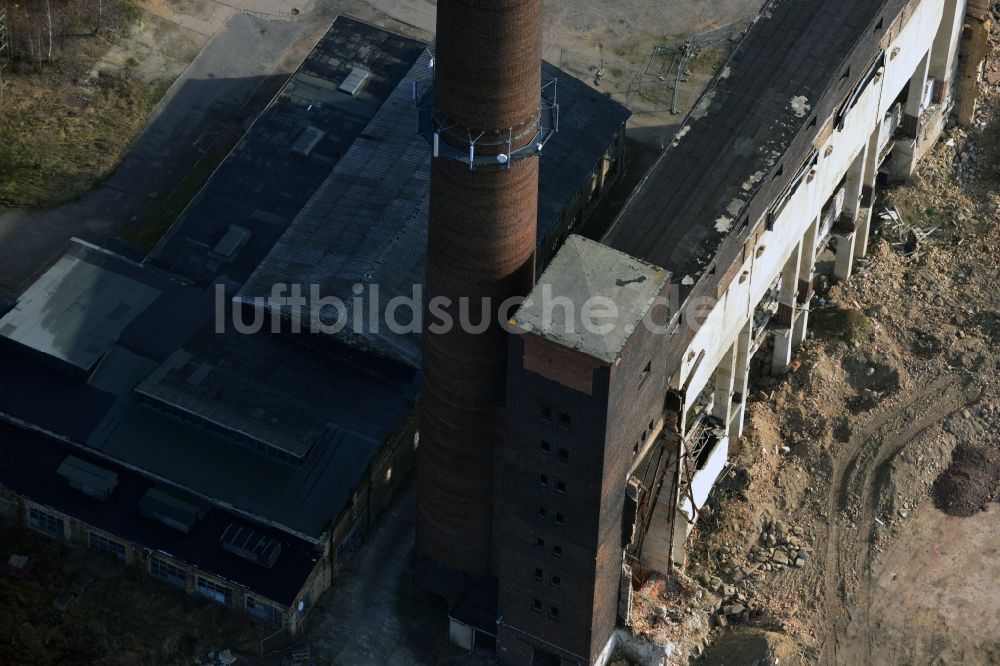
pixel 859 478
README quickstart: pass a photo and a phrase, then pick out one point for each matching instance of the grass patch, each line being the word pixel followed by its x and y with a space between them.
pixel 841 323
pixel 146 235
pixel 55 145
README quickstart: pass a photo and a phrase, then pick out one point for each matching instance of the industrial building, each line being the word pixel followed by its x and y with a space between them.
pixel 556 464
pixel 612 442
pixel 247 467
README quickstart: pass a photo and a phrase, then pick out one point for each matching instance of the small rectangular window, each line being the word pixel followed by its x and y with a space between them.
pixel 561 487
pixel 556 581
pixel 557 551
pixel 543 479
pixel 564 420
pixel 563 454
pixel 538 574
pixel 560 519
pixel 547 414
pixel 545 448
pixel 536 605
pixel 541 512
pixel 540 543
pixel 554 613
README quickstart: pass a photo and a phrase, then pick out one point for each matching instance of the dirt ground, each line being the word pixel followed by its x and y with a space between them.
pixel 858 519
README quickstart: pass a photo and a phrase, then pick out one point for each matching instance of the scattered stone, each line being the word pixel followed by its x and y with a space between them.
pixel 734 609
pixel 800 562
pixel 780 557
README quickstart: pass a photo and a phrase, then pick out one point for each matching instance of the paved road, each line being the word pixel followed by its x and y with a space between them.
pixel 211 91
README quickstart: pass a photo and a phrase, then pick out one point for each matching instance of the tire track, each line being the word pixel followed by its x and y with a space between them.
pixel 858 477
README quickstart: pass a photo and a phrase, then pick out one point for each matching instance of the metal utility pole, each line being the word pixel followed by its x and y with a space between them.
pixel 4 51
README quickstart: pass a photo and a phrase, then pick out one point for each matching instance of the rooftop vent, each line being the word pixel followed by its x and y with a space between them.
pixel 307 140
pixel 354 81
pixel 88 479
pixel 244 542
pixel 234 240
pixel 167 509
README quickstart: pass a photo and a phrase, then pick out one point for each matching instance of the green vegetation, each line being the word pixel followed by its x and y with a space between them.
pixel 840 323
pixel 145 236
pixel 63 128
pixel 54 147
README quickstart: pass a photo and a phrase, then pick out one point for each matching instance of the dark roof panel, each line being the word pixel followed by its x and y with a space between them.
pixel 286 154
pixel 742 128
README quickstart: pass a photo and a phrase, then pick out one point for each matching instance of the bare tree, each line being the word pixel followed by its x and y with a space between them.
pixel 48 13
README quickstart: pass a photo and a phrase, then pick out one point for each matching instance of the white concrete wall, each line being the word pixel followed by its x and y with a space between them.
pixel 735 307
pixel 704 479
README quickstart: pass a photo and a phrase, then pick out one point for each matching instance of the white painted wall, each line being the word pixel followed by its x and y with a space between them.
pixel 730 314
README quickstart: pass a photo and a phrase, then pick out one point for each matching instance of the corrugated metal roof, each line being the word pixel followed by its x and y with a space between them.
pixel 367 224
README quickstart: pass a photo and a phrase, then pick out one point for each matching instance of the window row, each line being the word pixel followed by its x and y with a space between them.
pixel 645 436
pixel 554 580
pixel 556 516
pixel 545 448
pixel 556 549
pixel 548 417
pixel 215 591
pixel 166 571
pixel 536 605
pixel 265 612
pixel 46 522
pixel 560 486
pixel 103 544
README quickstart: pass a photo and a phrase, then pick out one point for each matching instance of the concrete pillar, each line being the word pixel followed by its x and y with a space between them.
pixel 862 234
pixel 787 302
pixel 742 380
pixel 915 96
pixel 807 268
pixel 944 53
pixel 854 187
pixel 725 382
pixel 843 267
pixel 870 173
